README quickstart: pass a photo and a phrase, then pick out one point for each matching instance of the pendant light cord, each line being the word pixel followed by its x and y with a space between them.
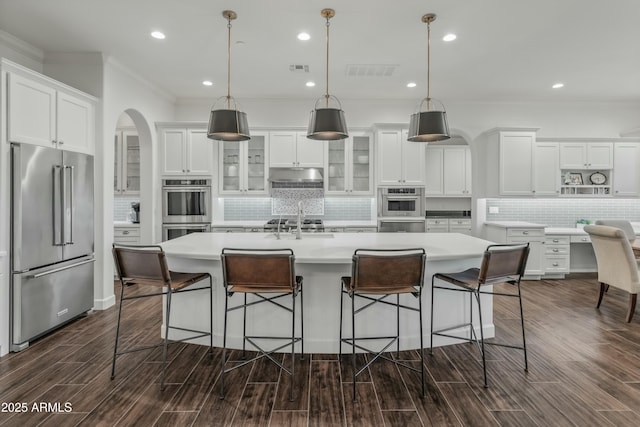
pixel 326 95
pixel 228 63
pixel 428 63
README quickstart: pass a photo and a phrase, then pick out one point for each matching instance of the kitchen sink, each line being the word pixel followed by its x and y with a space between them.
pixel 289 236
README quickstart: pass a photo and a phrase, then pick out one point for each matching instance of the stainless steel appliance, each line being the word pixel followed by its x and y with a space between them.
pixel 51 240
pixel 186 201
pixel 172 231
pixel 401 225
pixel 401 202
pixel 287 225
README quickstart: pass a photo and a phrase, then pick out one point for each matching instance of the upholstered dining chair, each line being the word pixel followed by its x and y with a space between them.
pixel 617 265
pixel 622 224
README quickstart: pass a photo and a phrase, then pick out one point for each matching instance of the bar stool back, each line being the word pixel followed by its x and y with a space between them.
pixel 376 275
pixel 500 264
pixel 147 266
pixel 268 274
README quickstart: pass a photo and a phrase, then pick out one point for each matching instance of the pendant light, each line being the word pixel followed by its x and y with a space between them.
pixel 429 123
pixel 327 122
pixel 228 123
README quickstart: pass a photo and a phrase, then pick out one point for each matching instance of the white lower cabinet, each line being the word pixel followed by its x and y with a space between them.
pixel 557 255
pixel 125 234
pixel 449 225
pixel 523 234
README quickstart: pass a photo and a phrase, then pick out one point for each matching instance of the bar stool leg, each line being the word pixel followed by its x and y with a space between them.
pixel 210 316
pixel 398 325
pixel 340 334
pixel 115 348
pixel 293 340
pixel 244 328
pixel 524 341
pixel 471 332
pixel 433 279
pixel 484 361
pixel 166 339
pixel 353 342
pixel 224 344
pixel 301 323
pixel 421 344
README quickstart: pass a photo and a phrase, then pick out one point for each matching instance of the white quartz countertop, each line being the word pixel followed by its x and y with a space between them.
pixel 513 224
pixel 574 231
pixel 327 248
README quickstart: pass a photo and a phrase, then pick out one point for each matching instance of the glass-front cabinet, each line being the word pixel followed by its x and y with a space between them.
pixel 126 179
pixel 243 166
pixel 349 166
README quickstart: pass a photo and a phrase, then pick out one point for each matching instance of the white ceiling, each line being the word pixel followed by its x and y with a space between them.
pixel 507 50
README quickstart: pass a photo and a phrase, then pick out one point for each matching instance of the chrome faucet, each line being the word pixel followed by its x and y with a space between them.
pixel 300 216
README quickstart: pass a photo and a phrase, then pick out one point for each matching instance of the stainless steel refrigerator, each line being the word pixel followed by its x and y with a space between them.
pixel 51 240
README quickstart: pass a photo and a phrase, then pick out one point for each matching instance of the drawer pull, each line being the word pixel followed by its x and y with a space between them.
pixel 125 232
pixel 556 250
pixel 525 232
pixel 555 264
pixel 555 240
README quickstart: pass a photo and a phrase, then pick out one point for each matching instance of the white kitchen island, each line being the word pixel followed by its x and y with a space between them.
pixel 322 258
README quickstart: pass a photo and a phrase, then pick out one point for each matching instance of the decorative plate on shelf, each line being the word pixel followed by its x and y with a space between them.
pixel 598 178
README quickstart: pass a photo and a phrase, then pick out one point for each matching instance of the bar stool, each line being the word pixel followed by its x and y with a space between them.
pixel 376 275
pixel 500 264
pixel 268 274
pixel 147 266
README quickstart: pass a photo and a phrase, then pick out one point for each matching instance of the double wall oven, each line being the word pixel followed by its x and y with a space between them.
pixel 401 209
pixel 186 207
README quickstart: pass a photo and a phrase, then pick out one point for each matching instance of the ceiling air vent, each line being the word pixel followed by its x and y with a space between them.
pixel 371 70
pixel 299 68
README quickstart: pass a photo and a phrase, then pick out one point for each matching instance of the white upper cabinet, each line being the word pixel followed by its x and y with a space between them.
pixel 44 112
pixel 516 163
pixel 591 155
pixel 126 162
pixel 626 167
pixel 186 151
pixel 294 149
pixel 349 168
pixel 448 171
pixel 399 161
pixel 547 171
pixel 243 165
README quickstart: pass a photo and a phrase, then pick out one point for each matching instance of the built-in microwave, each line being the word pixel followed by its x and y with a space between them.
pixel 186 201
pixel 401 202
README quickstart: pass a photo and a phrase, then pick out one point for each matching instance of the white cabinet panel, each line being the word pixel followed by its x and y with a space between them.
pixel 289 148
pixel 434 174
pixel 547 169
pixel 43 114
pixel 516 163
pixel 590 155
pixel 626 169
pixel 186 151
pixel 400 162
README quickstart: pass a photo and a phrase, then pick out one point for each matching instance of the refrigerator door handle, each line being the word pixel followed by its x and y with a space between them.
pixel 57 270
pixel 57 205
pixel 71 206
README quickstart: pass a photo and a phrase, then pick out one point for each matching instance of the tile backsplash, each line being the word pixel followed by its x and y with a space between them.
pixel 333 209
pixel 563 212
pixel 122 207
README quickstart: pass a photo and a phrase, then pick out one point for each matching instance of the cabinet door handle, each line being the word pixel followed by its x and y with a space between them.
pixel 556 250
pixel 60 142
pixel 125 232
pixel 53 141
pixel 525 232
pixel 555 264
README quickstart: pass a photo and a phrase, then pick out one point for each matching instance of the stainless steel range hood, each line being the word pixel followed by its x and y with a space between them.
pixel 295 175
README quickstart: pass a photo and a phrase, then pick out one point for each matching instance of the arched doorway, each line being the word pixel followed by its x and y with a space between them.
pixel 132 174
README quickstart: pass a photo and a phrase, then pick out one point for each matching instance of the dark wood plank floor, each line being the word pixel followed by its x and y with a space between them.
pixel 584 371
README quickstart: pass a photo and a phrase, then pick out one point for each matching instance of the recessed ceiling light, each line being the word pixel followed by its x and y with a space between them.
pixel 558 85
pixel 158 35
pixel 450 37
pixel 304 36
pixel 310 84
pixel 411 84
pixel 207 83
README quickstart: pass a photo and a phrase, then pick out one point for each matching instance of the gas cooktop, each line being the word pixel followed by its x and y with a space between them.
pixel 309 225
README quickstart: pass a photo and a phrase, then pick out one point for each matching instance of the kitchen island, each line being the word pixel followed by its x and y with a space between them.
pixel 322 258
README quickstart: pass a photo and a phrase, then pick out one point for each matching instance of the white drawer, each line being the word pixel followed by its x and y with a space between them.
pixel 128 240
pixel 438 229
pixel 580 239
pixel 557 240
pixel 254 229
pixel 461 222
pixel 126 232
pixel 556 264
pixel 525 232
pixel 228 229
pixel 437 222
pixel 557 250
pixel 334 229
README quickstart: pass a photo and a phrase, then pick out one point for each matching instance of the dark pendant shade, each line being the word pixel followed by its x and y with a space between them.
pixel 228 125
pixel 428 126
pixel 327 124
